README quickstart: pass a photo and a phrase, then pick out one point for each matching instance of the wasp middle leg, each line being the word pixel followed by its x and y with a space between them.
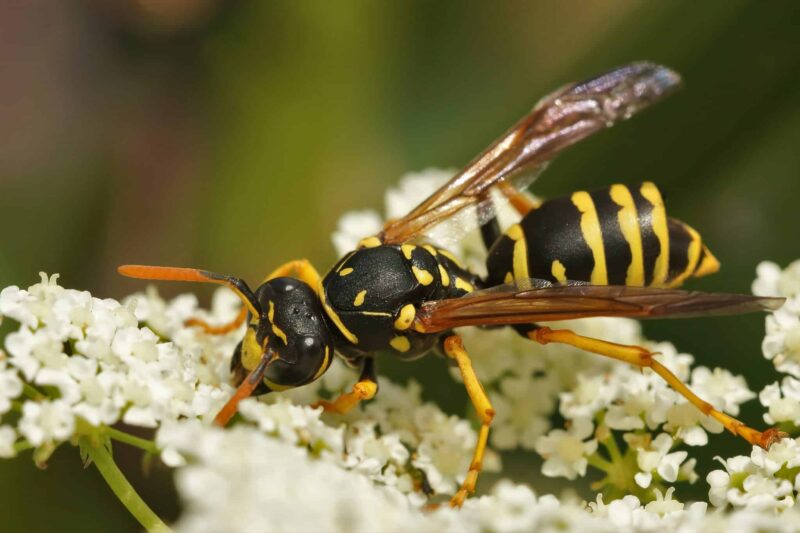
pixel 644 358
pixel 454 348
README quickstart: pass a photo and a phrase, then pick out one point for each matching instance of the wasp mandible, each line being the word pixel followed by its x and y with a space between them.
pixel 610 252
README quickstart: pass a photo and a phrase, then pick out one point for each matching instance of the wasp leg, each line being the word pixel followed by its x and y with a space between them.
pixel 302 268
pixel 521 202
pixel 364 389
pixel 249 384
pixel 218 330
pixel 454 348
pixel 643 358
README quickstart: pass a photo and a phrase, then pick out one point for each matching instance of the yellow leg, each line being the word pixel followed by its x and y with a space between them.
pixel 454 348
pixel 219 330
pixel 643 358
pixel 364 389
pixel 302 269
pixel 518 200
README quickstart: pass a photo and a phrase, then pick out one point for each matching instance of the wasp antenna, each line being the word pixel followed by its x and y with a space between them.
pixel 195 275
pixel 251 381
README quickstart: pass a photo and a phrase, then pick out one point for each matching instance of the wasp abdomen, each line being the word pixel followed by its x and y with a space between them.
pixel 618 235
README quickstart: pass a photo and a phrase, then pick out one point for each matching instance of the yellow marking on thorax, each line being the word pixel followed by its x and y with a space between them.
pixel 452 258
pixel 592 234
pixel 334 317
pixel 406 317
pixel 324 366
pixel 658 219
pixel 345 271
pixel 275 329
pixel 369 242
pixel 374 313
pixel 464 285
pixel 559 271
pixel 693 256
pixel 251 350
pixel 400 343
pixel 444 275
pixel 423 276
pixel 509 278
pixel 360 298
pixel 407 250
pixel 520 253
pixel 629 225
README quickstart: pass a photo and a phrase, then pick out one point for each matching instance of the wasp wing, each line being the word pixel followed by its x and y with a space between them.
pixel 559 120
pixel 539 301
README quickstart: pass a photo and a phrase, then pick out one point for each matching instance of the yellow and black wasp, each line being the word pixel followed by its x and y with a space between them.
pixel 611 252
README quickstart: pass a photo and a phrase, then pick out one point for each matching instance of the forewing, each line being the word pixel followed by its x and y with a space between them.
pixel 538 302
pixel 556 122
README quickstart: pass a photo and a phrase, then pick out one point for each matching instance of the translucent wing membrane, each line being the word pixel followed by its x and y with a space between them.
pixel 558 121
pixel 539 301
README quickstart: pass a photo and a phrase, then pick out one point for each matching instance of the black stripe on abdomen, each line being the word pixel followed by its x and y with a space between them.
pixel 650 244
pixel 617 249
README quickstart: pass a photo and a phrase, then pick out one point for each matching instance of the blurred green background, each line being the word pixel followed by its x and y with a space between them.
pixel 232 135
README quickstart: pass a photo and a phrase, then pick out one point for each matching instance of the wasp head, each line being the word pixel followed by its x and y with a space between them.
pixel 291 330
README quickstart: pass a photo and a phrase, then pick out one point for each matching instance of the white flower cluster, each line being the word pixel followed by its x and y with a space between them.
pixel 87 361
pixel 242 480
pixel 782 342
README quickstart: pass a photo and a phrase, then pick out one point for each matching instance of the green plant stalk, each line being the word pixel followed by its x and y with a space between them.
pixel 137 442
pixel 124 491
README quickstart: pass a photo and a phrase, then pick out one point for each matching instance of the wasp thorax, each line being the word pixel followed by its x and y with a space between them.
pixel 371 294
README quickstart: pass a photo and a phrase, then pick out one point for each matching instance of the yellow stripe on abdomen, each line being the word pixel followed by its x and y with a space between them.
pixel 628 219
pixel 592 234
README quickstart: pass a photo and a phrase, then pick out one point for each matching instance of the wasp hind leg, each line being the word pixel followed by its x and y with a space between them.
pixel 365 389
pixel 643 358
pixel 454 349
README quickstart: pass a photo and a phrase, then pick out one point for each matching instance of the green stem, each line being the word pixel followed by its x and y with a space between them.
pixel 22 445
pixel 115 479
pixel 32 392
pixel 138 442
pixel 611 445
pixel 598 462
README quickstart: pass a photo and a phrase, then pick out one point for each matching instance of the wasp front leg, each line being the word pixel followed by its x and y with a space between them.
pixel 365 389
pixel 644 358
pixel 302 269
pixel 454 348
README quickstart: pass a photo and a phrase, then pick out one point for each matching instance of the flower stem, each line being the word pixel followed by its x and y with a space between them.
pixel 138 442
pixel 598 462
pixel 32 392
pixel 22 445
pixel 115 479
pixel 611 445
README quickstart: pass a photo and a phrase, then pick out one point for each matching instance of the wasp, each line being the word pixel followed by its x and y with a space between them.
pixel 610 252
